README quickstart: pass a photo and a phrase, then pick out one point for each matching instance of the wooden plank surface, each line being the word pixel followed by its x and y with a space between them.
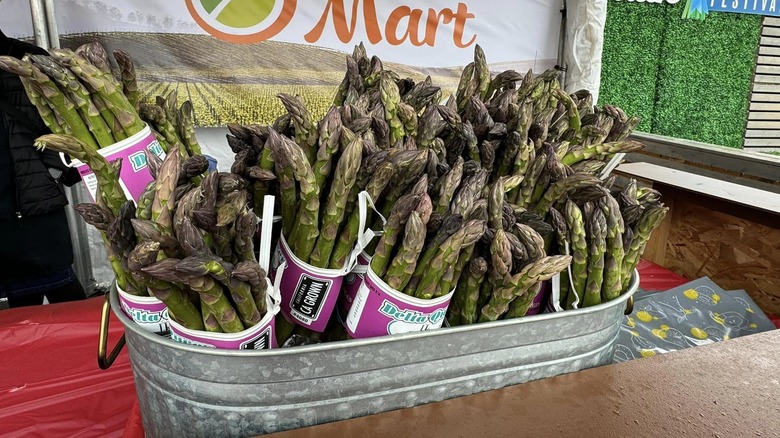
pixel 763 142
pixel 770 41
pixel 764 115
pixel 759 124
pixel 771 21
pixel 767 70
pixel 752 168
pixel 766 97
pixel 767 79
pixel 767 50
pixel 726 389
pixel 735 193
pixel 768 60
pixel 766 88
pixel 759 133
pixel 770 31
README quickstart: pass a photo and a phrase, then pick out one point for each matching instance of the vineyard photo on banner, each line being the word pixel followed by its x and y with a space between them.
pixel 232 57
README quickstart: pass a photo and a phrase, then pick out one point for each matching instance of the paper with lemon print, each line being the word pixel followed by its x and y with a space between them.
pixel 696 313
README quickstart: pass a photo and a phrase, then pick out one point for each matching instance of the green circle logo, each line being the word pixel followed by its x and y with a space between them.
pixel 242 21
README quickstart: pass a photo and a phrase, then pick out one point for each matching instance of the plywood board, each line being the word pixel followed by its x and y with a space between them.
pixel 727 243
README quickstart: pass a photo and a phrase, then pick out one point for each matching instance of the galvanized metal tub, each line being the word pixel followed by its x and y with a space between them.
pixel 200 392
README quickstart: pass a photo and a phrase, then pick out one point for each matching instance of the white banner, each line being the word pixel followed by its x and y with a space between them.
pixel 230 57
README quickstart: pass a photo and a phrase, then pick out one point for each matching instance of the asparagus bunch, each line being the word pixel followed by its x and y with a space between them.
pixel 189 242
pixel 76 93
pixel 607 232
pixel 476 181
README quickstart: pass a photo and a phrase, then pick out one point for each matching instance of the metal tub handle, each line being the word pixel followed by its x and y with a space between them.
pixel 105 362
pixel 630 305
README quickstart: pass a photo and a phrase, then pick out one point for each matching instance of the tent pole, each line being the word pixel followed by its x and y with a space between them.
pixel 51 24
pixel 39 24
pixel 562 46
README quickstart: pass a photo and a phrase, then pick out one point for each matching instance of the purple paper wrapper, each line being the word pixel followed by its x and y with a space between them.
pixel 260 337
pixel 134 175
pixel 309 294
pixel 542 298
pixel 379 310
pixel 353 281
pixel 149 313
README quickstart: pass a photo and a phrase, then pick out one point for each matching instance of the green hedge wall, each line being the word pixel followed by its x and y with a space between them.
pixel 685 78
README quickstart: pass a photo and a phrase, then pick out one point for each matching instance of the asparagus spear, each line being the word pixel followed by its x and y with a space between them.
pixel 108 178
pixel 561 187
pixel 246 226
pixel 155 116
pixel 329 138
pixel 391 98
pixel 447 255
pixel 305 130
pixel 288 192
pixel 651 218
pixel 601 151
pixel 404 263
pixel 395 223
pixel 77 94
pixel 116 101
pixel 96 55
pixel 253 274
pixel 501 257
pixel 240 291
pixel 163 204
pixel 62 106
pixel 186 129
pixel 531 179
pixel 349 234
pixel 613 261
pixel 306 227
pixel 469 289
pixel 44 109
pixel 127 74
pixel 450 224
pixel 344 180
pixel 515 286
pixel 519 307
pixel 597 231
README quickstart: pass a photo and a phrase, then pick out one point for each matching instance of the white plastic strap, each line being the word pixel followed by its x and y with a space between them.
pixel 572 289
pixel 365 233
pixel 64 161
pixel 266 230
pixel 273 298
pixel 611 165
pixel 556 286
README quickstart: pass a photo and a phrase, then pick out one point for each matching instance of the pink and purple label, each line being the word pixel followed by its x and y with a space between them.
pixel 149 313
pixel 260 337
pixel 378 310
pixel 134 175
pixel 309 294
pixel 353 281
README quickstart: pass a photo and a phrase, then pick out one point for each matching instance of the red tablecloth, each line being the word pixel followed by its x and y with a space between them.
pixel 51 386
pixel 50 383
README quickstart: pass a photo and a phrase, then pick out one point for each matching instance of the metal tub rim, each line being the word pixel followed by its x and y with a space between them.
pixel 152 337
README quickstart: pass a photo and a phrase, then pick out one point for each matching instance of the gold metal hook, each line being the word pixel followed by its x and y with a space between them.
pixel 105 362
